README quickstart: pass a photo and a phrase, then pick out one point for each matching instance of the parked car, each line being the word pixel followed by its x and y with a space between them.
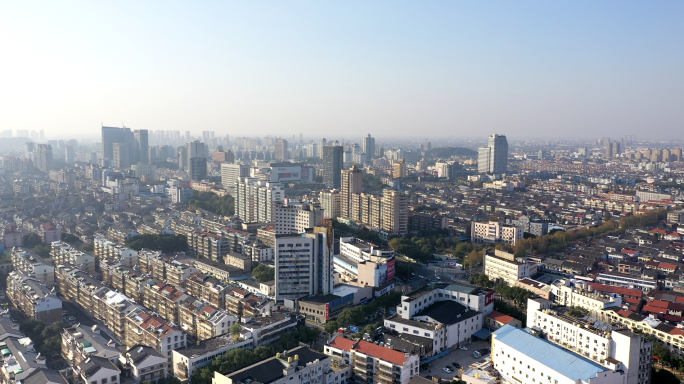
pixel 456 365
pixel 476 354
pixel 447 370
pixel 463 348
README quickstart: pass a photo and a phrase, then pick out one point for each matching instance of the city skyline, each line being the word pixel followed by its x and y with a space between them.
pixel 444 69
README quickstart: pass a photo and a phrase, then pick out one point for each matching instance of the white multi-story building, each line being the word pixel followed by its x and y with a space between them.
pixel 521 357
pixel 331 203
pixel 505 266
pixel 256 199
pixel 195 356
pixel 374 363
pixel 231 173
pixel 296 217
pixel 494 232
pixel 583 296
pixel 63 253
pixel 304 264
pixel 607 345
pixel 627 281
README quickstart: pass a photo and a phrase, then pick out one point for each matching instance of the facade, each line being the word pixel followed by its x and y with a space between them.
pixel 63 253
pixel 494 232
pixel 255 200
pixel 29 262
pixel 521 357
pixel 400 169
pixel 151 330
pixel 281 152
pixel 369 147
pixel 506 267
pixel 44 157
pixel 81 342
pixel 331 203
pixel 351 183
pixel 611 347
pixel 304 264
pixel 186 360
pixel 321 309
pixel 231 173
pixel 493 158
pixel 297 217
pixel 33 298
pixel 333 161
pixel 372 363
pixel 144 364
pixel 209 245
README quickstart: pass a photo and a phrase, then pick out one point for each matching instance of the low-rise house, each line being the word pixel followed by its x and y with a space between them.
pixel 144 364
pixel 186 360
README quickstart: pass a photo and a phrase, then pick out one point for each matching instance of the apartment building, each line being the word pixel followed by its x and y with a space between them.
pixel 605 344
pixel 209 245
pixel 206 287
pixel 583 296
pixel 296 217
pixel 217 269
pixel 78 287
pixel 494 232
pixel 111 308
pixel 166 300
pixel 145 328
pixel 145 364
pixel 63 253
pixel 300 365
pixel 373 363
pixel 643 283
pixel 255 200
pixel 96 370
pixel 521 357
pixel 104 248
pixel 29 262
pixel 195 356
pixel 80 343
pixel 504 266
pixel 33 298
pixel 205 321
pixel 330 203
pixel 238 261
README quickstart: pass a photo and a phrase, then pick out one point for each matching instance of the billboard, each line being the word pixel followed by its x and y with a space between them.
pixel 390 269
pixel 489 298
pixel 327 311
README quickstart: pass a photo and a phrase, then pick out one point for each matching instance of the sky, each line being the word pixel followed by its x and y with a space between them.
pixel 526 69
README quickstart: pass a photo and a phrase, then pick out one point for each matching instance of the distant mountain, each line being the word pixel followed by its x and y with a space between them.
pixel 446 152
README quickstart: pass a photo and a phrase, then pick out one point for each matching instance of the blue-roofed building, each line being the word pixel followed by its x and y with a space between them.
pixel 521 357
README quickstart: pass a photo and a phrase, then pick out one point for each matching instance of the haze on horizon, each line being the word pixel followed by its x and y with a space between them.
pixel 420 69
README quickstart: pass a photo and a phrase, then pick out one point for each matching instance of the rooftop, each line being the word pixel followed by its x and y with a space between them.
pixel 556 358
pixel 207 346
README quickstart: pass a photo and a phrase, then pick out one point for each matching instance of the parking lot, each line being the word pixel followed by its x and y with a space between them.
pixel 461 357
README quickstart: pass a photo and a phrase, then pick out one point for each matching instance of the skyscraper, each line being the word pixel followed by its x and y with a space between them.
pixel 44 157
pixel 141 146
pixel 136 143
pixel 231 173
pixel 369 147
pixel 332 165
pixel 352 183
pixel 197 160
pixel 281 150
pixel 121 156
pixel 494 157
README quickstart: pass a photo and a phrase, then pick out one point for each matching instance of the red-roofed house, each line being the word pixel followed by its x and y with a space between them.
pixel 624 292
pixel 667 268
pixel 496 320
pixel 376 362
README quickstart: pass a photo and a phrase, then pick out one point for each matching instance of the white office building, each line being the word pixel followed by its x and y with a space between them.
pixel 296 217
pixel 255 200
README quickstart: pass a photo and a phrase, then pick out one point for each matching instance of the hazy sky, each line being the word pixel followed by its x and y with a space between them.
pixel 346 68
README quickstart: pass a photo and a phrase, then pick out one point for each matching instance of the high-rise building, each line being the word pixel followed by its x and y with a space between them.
pixel 182 158
pixel 121 156
pixel 231 173
pixel 494 157
pixel 332 165
pixel 69 154
pixel 44 157
pixel 304 264
pixel 400 169
pixel 352 183
pixel 281 150
pixel 255 200
pixel 197 168
pixel 136 143
pixel 296 217
pixel 331 203
pixel 141 146
pixel 197 160
pixel 394 212
pixel 321 144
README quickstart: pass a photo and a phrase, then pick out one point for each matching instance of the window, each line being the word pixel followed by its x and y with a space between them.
pixel 104 381
pixel 114 379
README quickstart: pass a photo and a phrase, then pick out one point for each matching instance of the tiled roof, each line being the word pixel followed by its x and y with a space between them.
pixel 382 353
pixel 500 317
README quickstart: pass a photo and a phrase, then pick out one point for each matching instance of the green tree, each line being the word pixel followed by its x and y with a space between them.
pixel 263 273
pixel 235 329
pixel 30 240
pixel 42 250
pixel 223 205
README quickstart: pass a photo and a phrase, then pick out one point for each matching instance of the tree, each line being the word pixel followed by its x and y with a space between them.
pixel 473 259
pixel 42 250
pixel 263 273
pixel 224 205
pixel 235 329
pixel 30 240
pixel 578 312
pixel 331 326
